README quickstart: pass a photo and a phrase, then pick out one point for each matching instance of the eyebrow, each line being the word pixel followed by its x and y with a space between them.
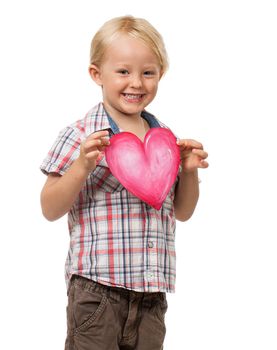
pixel 146 66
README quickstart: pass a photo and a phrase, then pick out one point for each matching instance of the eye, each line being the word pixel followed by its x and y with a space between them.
pixel 123 71
pixel 149 73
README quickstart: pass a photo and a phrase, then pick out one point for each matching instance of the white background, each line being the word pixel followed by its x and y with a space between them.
pixel 221 89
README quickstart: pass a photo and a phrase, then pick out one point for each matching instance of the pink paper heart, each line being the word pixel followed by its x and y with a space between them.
pixel 148 170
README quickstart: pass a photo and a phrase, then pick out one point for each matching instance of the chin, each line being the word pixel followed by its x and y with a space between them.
pixel 132 110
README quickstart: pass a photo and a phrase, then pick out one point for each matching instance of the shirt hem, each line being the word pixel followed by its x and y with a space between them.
pixel 117 285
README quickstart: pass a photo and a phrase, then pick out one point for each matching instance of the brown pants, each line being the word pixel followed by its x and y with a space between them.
pixel 109 318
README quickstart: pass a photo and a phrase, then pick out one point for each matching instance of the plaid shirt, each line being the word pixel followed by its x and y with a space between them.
pixel 115 238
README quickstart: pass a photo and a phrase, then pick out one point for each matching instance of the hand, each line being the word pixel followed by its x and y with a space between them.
pixel 92 148
pixel 192 155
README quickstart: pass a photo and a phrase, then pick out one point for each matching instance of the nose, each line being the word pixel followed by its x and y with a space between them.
pixel 136 82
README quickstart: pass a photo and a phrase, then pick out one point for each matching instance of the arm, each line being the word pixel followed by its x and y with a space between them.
pixel 187 190
pixel 60 192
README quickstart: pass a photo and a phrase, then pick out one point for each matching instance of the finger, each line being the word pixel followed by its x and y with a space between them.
pixel 99 158
pixel 203 164
pixel 200 153
pixel 189 143
pixel 93 155
pixel 92 144
pixel 98 134
pixel 96 143
pixel 103 147
pixel 105 141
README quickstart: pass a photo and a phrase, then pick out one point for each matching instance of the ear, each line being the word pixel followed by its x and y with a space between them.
pixel 95 73
pixel 161 74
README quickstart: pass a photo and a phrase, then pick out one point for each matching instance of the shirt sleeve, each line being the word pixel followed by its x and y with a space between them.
pixel 63 152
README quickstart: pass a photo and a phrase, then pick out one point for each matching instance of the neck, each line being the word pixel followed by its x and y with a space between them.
pixel 131 123
pixel 123 120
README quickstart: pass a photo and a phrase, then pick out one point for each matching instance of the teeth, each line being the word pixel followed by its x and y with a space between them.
pixel 132 96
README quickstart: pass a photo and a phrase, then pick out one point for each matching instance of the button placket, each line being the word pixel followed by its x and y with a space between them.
pixel 152 254
pixel 150 245
pixel 150 275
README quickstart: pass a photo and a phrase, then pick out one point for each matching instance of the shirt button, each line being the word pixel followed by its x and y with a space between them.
pixel 150 244
pixel 150 275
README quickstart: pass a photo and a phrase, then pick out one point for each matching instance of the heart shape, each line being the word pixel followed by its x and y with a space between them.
pixel 146 169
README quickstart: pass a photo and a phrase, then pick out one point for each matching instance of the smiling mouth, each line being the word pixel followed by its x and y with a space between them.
pixel 133 97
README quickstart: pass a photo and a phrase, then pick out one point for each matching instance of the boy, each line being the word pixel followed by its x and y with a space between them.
pixel 121 259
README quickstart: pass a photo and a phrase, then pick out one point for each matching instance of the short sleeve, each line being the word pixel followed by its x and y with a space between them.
pixel 63 152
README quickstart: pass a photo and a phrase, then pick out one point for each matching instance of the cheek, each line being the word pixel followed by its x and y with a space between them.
pixel 112 88
pixel 153 87
pixel 117 84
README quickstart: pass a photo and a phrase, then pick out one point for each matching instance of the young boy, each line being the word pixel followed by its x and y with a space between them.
pixel 121 258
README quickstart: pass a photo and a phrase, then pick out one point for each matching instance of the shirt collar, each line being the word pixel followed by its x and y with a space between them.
pixel 109 124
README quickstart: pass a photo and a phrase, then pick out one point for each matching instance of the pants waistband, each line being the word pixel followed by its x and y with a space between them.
pixel 115 292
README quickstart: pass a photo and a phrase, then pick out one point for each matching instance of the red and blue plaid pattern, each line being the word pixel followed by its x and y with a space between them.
pixel 115 238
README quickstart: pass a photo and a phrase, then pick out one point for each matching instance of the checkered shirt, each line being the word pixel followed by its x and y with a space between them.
pixel 115 238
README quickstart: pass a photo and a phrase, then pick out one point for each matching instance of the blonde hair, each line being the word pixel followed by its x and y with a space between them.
pixel 138 28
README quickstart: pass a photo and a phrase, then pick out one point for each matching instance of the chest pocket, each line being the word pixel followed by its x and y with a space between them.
pixel 101 180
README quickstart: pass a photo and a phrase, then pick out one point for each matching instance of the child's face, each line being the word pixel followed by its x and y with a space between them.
pixel 129 76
